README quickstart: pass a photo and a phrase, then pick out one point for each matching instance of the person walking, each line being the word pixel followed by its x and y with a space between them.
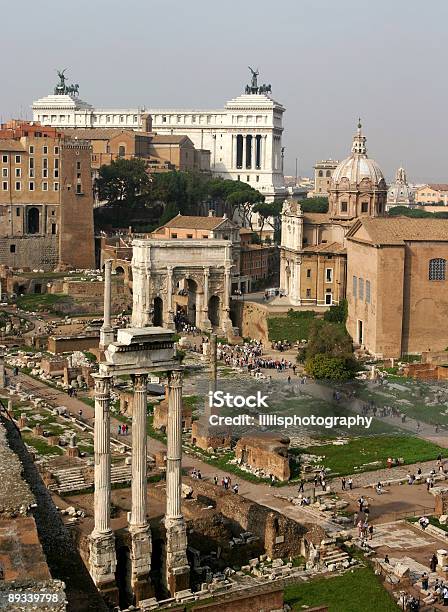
pixel 370 532
pixel 343 481
pixel 433 563
pixel 301 486
pixel 350 484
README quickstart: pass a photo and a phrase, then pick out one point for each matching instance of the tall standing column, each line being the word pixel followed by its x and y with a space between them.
pixel 254 152
pixel 244 141
pixel 177 569
pixel 206 324
pixel 226 321
pixel 102 542
pixel 138 525
pixel 169 297
pixel 106 332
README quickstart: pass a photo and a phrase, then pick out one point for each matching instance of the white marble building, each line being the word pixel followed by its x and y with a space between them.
pixel 244 138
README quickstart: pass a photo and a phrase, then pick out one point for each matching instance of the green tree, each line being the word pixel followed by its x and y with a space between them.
pixel 328 338
pixel 243 201
pixel 124 182
pixel 337 314
pixel 326 367
pixel 267 210
pixel 318 204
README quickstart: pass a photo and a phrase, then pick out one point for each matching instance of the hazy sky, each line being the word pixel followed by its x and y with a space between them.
pixel 327 61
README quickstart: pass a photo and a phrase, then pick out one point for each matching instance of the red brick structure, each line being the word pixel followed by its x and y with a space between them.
pixel 266 452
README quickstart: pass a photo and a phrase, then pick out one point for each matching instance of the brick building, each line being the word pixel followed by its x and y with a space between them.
pixel 46 204
pixel 397 287
pixel 433 193
pixel 259 262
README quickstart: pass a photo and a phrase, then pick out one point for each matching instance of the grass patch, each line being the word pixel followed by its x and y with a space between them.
pixel 343 459
pixel 351 592
pixel 41 447
pixel 295 326
pixel 42 301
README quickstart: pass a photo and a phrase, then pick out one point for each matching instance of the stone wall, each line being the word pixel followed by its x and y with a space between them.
pixel 267 453
pixel 35 252
pixel 269 601
pixel 66 344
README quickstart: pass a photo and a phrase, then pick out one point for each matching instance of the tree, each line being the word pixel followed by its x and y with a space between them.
pixel 318 204
pixel 243 200
pixel 326 367
pixel 337 314
pixel 267 210
pixel 124 182
pixel 328 338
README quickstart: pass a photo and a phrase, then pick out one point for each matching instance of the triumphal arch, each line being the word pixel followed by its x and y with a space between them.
pixel 188 278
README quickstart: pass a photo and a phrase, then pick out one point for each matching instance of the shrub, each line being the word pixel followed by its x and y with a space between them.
pixel 323 366
pixel 337 314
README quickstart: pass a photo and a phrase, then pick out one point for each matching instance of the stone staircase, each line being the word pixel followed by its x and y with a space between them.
pixel 69 479
pixel 333 558
pixel 120 473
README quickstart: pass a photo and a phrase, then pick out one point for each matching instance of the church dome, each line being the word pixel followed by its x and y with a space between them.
pixel 399 192
pixel 358 166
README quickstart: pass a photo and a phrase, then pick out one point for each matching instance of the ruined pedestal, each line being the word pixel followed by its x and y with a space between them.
pixel 177 568
pixel 72 451
pixel 102 561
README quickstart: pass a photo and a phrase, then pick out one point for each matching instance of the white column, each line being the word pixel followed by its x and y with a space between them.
pixel 169 294
pixel 102 454
pixel 226 321
pixel 141 545
pixel 177 569
pixel 206 324
pixel 139 451
pixel 243 163
pixel 174 447
pixel 102 555
pixel 106 332
pixel 254 151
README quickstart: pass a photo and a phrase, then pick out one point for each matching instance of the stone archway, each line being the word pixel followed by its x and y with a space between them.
pixel 33 220
pixel 214 307
pixel 158 312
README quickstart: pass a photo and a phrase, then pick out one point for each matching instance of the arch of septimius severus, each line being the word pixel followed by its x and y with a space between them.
pixel 194 276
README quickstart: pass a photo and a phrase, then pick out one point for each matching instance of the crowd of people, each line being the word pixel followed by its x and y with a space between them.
pixel 250 356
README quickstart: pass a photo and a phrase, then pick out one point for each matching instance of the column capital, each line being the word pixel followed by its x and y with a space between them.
pixel 139 381
pixel 102 383
pixel 175 378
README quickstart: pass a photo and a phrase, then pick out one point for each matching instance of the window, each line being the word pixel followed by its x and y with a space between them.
pixel 308 293
pixel 18 159
pixel 44 186
pixel 12 248
pixel 55 173
pixel 355 287
pixel 53 228
pixel 5 186
pixel 31 186
pixel 18 186
pixel 361 288
pixel 79 189
pixel 56 152
pixel 257 178
pixel 248 178
pixel 5 159
pixel 55 186
pixel 17 212
pixel 308 273
pixel 78 165
pixel 329 275
pixel 45 150
pixel 18 172
pixel 344 206
pixel 367 292
pixel 31 149
pixel 364 207
pixel 328 298
pixel 437 269
pixel 189 236
pixel 321 173
pixel 173 235
pixel 5 172
pixel 328 173
pixel 56 162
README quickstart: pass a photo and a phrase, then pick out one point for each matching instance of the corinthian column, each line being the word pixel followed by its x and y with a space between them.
pixel 102 542
pixel 138 524
pixel 169 297
pixel 177 569
pixel 106 331
pixel 226 321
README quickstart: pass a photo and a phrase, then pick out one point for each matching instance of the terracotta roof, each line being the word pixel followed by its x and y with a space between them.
pixel 9 144
pixel 160 139
pixel 99 133
pixel 398 230
pixel 333 247
pixel 316 218
pixel 191 222
pixel 437 186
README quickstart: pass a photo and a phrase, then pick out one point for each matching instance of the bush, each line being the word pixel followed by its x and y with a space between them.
pixel 317 205
pixel 337 314
pixel 326 367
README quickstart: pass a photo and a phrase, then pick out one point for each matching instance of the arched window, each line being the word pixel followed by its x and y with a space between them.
pixel 437 269
pixel 328 173
pixel 121 151
pixel 321 173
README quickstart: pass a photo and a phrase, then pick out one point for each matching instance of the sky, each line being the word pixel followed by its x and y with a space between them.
pixel 328 62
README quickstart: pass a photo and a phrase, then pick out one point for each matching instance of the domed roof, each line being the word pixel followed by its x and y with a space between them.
pixel 399 191
pixel 358 166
